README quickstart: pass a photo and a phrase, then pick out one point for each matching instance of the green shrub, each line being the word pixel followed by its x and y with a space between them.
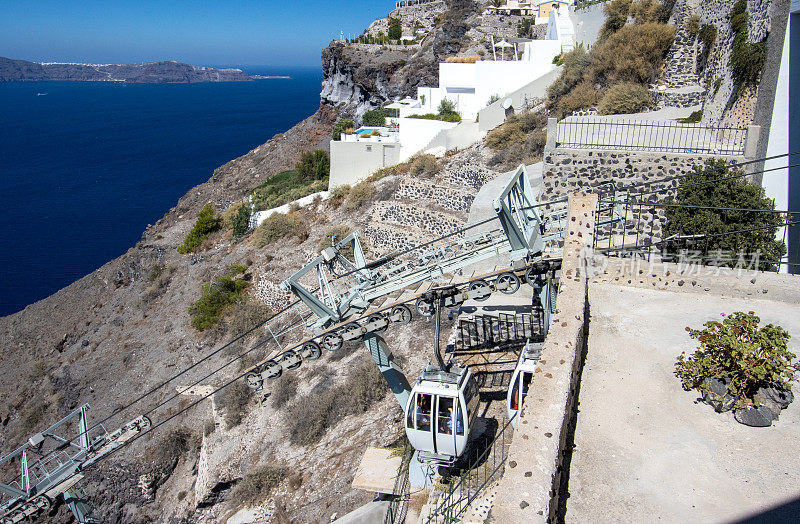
pixel 218 297
pixel 278 226
pixel 256 485
pixel 731 193
pixel 237 219
pixel 321 410
pixel 338 195
pixel 446 107
pixel 359 195
pixel 285 187
pixel 313 166
pixel 694 118
pixel 525 28
pixel 233 400
pixel 342 125
pixel 374 118
pixel 448 117
pixel 492 100
pixel 625 98
pixel 747 59
pixel 737 349
pixel 207 222
pixel 707 35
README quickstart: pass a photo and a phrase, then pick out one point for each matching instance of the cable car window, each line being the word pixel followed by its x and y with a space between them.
pixel 445 416
pixel 423 412
pixel 526 382
pixel 410 415
pixel 459 420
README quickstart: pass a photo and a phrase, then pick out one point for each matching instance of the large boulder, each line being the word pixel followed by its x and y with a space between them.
pixel 716 394
pixel 756 416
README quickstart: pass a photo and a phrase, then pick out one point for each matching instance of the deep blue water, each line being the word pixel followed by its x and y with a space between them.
pixel 86 167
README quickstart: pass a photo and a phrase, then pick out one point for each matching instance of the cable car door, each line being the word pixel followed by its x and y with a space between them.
pixel 446 421
pixel 419 424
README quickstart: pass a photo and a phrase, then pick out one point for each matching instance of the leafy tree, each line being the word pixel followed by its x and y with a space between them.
pixel 374 118
pixel 342 125
pixel 207 222
pixel 757 228
pixel 314 165
pixel 395 29
pixel 241 221
pixel 738 350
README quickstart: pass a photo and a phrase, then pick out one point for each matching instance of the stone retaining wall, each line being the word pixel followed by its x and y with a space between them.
pixel 676 99
pixel 444 196
pixel 467 175
pixel 402 214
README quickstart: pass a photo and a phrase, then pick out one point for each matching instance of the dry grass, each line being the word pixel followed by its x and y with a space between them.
pixel 359 195
pixel 257 484
pixel 278 226
pixel 233 400
pixel 462 59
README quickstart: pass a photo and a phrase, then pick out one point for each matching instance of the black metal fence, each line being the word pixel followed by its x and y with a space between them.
pixel 502 331
pixel 398 506
pixel 630 135
pixel 482 466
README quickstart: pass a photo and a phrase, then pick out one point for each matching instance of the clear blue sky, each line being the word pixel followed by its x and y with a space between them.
pixel 202 32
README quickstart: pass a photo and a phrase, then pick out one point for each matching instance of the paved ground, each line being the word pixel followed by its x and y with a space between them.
pixel 645 451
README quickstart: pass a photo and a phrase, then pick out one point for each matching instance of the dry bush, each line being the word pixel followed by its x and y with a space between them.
pixel 158 279
pixel 424 166
pixel 647 11
pixel 227 217
pixel 584 96
pixel 285 390
pixel 246 315
pixel 338 195
pixel 233 400
pixel 632 54
pixel 172 446
pixel 321 410
pixel 625 98
pixel 278 226
pixel 359 195
pixel 520 139
pixel 257 484
pixel 462 59
pixel 336 233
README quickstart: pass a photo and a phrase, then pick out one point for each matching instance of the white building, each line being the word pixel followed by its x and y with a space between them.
pixel 469 86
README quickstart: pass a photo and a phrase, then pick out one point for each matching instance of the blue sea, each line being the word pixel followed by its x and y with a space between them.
pixel 85 166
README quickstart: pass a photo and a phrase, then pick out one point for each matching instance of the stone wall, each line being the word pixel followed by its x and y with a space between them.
pixel 271 294
pixel 407 214
pixel 467 175
pixel 435 193
pixel 682 97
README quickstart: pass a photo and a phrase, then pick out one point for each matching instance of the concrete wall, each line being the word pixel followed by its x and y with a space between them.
pixel 520 100
pixel 461 136
pixel 415 135
pixel 531 485
pixel 352 162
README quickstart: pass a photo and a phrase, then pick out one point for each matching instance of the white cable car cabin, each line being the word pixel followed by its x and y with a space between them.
pixel 441 411
pixel 521 380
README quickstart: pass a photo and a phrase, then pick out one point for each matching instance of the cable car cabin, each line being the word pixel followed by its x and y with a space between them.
pixel 441 411
pixel 521 380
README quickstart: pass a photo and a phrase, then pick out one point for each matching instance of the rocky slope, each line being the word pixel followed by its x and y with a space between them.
pixel 150 73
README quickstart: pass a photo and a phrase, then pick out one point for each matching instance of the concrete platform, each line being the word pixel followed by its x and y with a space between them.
pixel 645 450
pixel 377 471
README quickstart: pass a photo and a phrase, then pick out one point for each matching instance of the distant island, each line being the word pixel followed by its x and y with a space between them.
pixel 168 71
pixel 269 77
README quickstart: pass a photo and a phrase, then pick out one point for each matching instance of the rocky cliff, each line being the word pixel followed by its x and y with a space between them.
pixel 151 72
pixel 362 76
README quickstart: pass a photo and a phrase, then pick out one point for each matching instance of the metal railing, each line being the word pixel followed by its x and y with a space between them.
pixel 661 136
pixel 481 468
pixel 398 506
pixel 504 330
